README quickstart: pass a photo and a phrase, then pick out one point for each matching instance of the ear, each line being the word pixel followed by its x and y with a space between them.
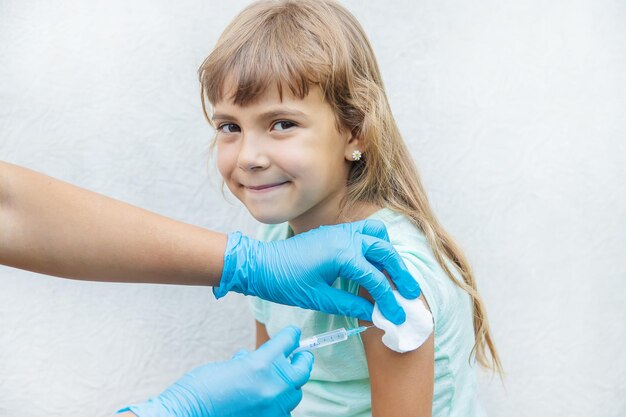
pixel 353 143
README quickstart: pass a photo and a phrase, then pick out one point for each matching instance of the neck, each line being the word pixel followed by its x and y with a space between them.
pixel 327 213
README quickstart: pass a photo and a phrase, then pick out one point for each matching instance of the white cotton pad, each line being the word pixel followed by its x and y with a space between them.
pixel 413 332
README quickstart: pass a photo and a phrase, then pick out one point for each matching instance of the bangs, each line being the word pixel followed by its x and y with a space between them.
pixel 247 74
pixel 260 52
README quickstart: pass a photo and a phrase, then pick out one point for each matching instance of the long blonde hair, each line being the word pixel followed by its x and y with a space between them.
pixel 297 44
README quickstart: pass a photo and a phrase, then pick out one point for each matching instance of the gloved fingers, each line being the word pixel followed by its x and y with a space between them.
pixel 240 353
pixel 384 256
pixel 284 343
pixel 301 367
pixel 335 301
pixel 291 401
pixel 374 228
pixel 379 288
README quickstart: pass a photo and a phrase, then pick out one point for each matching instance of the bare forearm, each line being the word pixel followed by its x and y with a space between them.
pixel 55 228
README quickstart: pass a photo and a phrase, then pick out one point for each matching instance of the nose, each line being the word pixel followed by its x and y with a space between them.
pixel 252 155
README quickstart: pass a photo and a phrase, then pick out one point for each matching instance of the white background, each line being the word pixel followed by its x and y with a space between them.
pixel 514 112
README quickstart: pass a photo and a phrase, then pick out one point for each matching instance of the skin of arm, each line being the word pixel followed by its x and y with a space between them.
pixel 55 228
pixel 261 334
pixel 402 384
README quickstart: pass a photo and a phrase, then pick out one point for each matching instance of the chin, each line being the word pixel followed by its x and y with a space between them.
pixel 270 218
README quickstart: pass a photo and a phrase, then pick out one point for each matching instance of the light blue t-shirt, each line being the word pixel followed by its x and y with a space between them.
pixel 339 384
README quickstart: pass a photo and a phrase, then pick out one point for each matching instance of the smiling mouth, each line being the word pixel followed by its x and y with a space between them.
pixel 266 187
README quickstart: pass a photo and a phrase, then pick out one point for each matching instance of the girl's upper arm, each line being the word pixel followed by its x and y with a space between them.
pixel 261 334
pixel 401 383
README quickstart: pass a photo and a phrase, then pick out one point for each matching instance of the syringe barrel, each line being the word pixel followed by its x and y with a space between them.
pixel 323 339
pixel 334 336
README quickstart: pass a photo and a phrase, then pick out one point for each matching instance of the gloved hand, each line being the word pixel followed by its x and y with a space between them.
pixel 263 383
pixel 299 271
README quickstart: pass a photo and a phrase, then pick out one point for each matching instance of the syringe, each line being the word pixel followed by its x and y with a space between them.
pixel 329 338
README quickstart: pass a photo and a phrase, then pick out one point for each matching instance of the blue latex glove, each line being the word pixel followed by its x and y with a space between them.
pixel 263 383
pixel 299 271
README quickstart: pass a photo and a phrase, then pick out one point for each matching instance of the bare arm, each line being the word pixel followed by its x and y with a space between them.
pixel 261 334
pixel 52 227
pixel 401 383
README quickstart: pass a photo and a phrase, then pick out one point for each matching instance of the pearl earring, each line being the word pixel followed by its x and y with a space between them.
pixel 356 155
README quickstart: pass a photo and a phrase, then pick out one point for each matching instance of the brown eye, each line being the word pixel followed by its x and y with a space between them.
pixel 283 125
pixel 228 128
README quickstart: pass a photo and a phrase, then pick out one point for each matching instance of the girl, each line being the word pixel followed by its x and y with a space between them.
pixel 305 136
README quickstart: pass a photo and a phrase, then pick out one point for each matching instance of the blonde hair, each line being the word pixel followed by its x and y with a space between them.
pixel 297 44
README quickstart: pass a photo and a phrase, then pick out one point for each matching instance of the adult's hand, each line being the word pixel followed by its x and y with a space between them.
pixel 263 383
pixel 299 271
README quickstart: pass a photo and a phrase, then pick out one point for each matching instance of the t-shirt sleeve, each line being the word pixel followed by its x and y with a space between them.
pixel 259 309
pixel 425 277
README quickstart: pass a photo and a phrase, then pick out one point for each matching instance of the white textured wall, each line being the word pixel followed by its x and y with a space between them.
pixel 515 114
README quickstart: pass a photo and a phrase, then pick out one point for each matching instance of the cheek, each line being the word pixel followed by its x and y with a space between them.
pixel 327 158
pixel 292 158
pixel 319 170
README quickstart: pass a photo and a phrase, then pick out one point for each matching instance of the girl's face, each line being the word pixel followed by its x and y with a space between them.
pixel 285 160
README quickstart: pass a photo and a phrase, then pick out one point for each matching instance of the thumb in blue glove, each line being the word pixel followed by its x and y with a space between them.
pixel 299 271
pixel 262 383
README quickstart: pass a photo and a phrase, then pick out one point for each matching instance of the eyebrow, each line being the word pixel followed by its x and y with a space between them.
pixel 263 116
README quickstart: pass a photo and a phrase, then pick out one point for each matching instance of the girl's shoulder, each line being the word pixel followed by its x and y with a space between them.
pixel 404 235
pixel 412 245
